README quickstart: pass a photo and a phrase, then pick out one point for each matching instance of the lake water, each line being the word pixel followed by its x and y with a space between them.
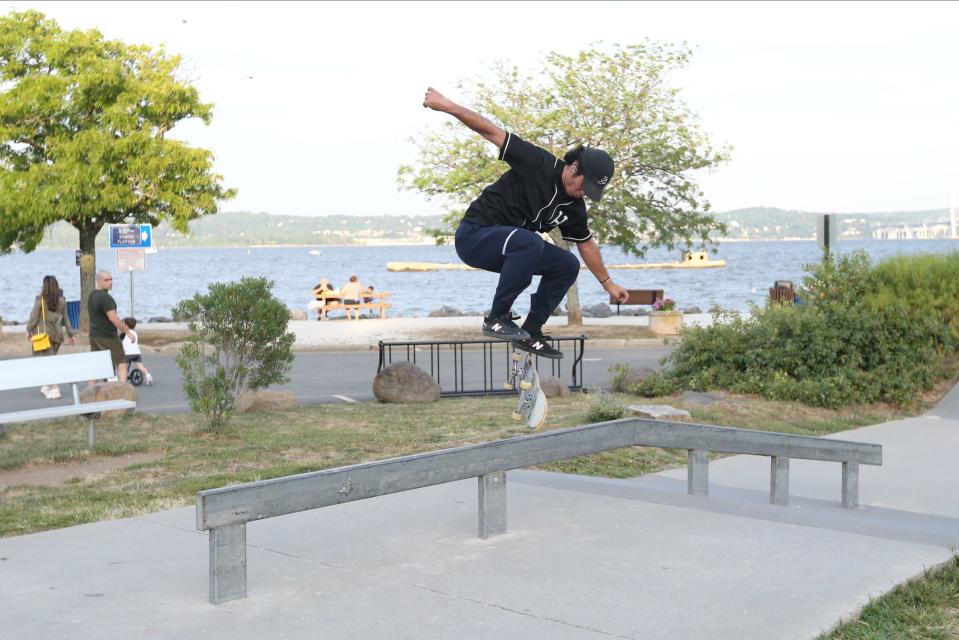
pixel 175 274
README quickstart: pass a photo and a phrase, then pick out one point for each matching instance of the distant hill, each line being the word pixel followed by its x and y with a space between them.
pixel 769 223
pixel 241 228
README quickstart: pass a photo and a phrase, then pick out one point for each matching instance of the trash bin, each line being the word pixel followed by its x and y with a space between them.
pixel 73 313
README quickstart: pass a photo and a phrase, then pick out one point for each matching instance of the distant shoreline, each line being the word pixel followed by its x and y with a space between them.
pixel 431 244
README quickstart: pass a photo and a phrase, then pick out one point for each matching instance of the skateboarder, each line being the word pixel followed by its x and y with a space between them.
pixel 500 231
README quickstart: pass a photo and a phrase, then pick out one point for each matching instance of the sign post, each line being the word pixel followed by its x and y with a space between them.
pixel 827 230
pixel 131 242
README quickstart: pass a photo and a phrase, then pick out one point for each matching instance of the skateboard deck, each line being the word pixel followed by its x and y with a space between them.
pixel 531 407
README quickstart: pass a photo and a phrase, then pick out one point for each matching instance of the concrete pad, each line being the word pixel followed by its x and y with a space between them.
pixel 575 564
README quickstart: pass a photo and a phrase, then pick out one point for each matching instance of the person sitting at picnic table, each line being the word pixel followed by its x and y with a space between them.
pixel 351 293
pixel 367 299
pixel 321 290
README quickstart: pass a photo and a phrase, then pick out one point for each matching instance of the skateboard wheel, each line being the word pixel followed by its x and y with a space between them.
pixel 517 416
pixel 525 385
pixel 517 356
pixel 509 385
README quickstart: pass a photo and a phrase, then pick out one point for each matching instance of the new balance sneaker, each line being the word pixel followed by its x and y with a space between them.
pixel 538 344
pixel 503 327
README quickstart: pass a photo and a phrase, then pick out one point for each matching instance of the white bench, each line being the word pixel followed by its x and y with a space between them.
pixel 24 373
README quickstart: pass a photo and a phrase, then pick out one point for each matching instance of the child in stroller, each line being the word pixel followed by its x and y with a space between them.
pixel 136 370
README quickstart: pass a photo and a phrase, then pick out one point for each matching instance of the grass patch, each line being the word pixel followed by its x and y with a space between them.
pixel 257 446
pixel 926 608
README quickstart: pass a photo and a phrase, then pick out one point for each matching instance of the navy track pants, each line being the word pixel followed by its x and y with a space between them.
pixel 517 255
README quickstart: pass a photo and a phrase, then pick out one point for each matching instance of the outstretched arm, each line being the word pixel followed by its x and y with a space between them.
pixel 438 102
pixel 589 250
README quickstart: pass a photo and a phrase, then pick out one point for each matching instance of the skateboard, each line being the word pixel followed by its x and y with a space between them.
pixel 523 377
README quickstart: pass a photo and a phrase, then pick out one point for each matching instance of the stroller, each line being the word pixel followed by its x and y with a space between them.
pixel 134 371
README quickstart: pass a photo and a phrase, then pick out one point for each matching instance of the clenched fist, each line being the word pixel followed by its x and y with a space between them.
pixel 436 100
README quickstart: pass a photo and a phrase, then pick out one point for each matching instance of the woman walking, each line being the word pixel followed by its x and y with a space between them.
pixel 49 316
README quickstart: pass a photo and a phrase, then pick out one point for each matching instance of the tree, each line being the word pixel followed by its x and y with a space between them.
pixel 619 101
pixel 83 124
pixel 238 342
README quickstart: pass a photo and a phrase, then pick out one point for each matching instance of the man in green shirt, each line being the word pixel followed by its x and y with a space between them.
pixel 104 324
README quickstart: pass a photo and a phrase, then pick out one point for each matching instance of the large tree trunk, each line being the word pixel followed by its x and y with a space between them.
pixel 574 311
pixel 88 268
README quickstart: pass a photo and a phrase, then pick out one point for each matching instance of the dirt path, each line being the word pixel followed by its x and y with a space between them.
pixel 52 475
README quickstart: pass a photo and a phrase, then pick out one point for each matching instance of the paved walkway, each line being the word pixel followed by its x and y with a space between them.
pixel 585 558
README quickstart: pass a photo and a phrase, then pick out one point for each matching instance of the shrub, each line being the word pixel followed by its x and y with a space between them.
pixel 850 342
pixel 926 283
pixel 238 342
pixel 605 409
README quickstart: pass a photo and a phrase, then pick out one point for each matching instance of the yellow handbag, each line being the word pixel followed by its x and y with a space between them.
pixel 41 341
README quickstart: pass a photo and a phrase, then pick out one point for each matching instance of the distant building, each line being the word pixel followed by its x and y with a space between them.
pixel 913 232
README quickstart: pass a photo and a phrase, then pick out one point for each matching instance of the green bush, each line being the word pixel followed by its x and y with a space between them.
pixel 606 408
pixel 849 342
pixel 929 283
pixel 238 342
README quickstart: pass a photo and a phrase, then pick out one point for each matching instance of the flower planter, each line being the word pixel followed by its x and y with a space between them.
pixel 665 323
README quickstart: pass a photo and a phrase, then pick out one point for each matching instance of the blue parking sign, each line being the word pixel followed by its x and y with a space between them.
pixel 131 236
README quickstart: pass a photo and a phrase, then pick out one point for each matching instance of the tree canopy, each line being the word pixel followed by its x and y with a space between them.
pixel 618 100
pixel 83 124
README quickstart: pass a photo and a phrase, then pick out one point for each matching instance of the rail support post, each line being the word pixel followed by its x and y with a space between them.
pixel 697 472
pixel 779 481
pixel 850 485
pixel 492 504
pixel 227 563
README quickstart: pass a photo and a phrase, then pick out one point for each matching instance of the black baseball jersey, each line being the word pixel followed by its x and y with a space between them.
pixel 530 195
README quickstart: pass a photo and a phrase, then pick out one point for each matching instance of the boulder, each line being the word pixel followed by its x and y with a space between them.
pixel 103 391
pixel 404 382
pixel 265 400
pixel 553 387
pixel 297 314
pixel 599 310
pixel 159 319
pixel 658 411
pixel 692 310
pixel 633 376
pixel 446 312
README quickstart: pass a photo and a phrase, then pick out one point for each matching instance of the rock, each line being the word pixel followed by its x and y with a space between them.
pixel 633 376
pixel 404 382
pixel 599 310
pixel 698 399
pixel 658 411
pixel 297 314
pixel 103 391
pixel 446 312
pixel 693 309
pixel 159 319
pixel 553 387
pixel 265 400
pixel 558 311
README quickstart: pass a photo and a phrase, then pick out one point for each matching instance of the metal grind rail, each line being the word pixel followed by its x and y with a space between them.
pixel 224 512
pixel 456 364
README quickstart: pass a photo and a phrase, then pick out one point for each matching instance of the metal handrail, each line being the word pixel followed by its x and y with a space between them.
pixel 225 511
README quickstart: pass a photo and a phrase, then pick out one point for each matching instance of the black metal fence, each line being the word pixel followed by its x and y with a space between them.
pixel 481 367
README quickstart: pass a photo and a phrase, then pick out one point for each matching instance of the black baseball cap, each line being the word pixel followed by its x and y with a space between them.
pixel 597 167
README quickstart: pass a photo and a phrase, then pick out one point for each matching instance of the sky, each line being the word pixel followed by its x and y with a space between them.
pixel 828 106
